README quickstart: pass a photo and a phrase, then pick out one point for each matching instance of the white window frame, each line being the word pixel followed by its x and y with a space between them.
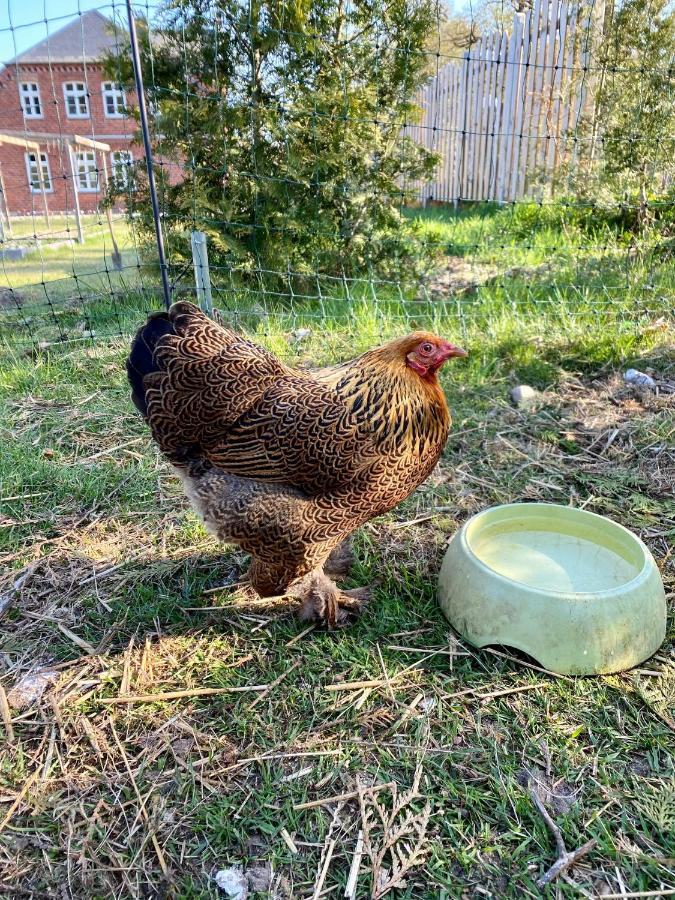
pixel 112 91
pixel 121 170
pixel 79 92
pixel 30 91
pixel 46 173
pixel 92 185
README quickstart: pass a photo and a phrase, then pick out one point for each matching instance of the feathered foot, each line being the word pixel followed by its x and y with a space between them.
pixel 323 602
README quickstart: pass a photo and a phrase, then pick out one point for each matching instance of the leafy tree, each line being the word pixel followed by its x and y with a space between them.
pixel 454 34
pixel 635 107
pixel 285 118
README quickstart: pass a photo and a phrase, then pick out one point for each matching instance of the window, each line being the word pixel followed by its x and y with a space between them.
pixel 34 172
pixel 122 161
pixel 29 93
pixel 86 172
pixel 77 99
pixel 114 101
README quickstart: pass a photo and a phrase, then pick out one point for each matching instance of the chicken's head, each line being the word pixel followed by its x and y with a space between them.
pixel 427 353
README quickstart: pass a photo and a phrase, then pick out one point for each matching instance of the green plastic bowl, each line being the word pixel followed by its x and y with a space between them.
pixel 574 590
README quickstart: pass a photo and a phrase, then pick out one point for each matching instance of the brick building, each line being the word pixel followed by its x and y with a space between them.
pixel 57 107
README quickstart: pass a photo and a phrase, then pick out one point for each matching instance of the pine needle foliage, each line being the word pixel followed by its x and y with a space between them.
pixel 395 836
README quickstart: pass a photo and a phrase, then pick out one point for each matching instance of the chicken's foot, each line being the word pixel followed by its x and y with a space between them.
pixel 323 602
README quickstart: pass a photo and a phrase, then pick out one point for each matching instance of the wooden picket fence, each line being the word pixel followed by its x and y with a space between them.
pixel 514 109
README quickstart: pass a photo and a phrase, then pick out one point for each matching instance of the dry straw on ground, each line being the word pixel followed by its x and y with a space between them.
pixel 153 744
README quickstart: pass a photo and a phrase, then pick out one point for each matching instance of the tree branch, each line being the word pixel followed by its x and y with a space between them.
pixel 565 860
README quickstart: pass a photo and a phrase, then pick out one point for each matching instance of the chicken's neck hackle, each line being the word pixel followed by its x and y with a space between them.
pixel 405 412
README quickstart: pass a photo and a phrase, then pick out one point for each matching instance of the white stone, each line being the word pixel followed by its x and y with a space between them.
pixel 641 379
pixel 523 395
pixel 233 882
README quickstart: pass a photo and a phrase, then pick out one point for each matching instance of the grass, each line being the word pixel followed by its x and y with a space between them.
pixel 153 798
pixel 57 288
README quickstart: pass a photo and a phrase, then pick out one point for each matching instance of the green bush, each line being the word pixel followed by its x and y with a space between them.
pixel 285 120
pixel 594 214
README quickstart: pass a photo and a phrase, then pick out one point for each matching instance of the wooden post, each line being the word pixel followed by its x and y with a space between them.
pixel 521 101
pixel 4 210
pixel 116 255
pixel 451 126
pixel 484 100
pixel 547 94
pixel 460 138
pixel 200 258
pixel 511 81
pixel 568 91
pixel 598 25
pixel 43 191
pixel 472 94
pixel 557 95
pixel 539 75
pixel 528 116
pixel 78 216
pixel 5 206
pixel 495 122
pixel 582 63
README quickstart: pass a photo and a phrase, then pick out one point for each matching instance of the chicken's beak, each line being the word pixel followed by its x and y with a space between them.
pixel 448 351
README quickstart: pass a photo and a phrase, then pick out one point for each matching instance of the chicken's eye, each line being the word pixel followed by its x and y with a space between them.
pixel 426 348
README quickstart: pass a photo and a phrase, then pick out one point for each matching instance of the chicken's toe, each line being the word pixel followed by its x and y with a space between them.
pixel 361 594
pixel 322 610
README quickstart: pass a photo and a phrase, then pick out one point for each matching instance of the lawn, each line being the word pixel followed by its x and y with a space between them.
pixel 57 290
pixel 121 594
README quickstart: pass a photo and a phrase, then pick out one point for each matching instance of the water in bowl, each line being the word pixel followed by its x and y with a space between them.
pixel 551 560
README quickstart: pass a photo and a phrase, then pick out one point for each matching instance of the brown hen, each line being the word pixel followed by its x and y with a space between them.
pixel 283 462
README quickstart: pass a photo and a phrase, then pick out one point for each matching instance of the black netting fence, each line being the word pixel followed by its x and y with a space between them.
pixel 340 169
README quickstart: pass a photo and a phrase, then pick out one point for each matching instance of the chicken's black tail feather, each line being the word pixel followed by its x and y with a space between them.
pixel 141 361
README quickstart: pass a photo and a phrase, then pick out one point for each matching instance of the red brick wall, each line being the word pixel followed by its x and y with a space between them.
pixel 117 132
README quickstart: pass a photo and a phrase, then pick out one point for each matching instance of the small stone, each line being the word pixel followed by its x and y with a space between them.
pixel 524 395
pixel 30 688
pixel 300 334
pixel 232 882
pixel 639 379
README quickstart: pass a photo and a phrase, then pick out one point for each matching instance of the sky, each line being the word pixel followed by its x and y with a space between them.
pixel 22 22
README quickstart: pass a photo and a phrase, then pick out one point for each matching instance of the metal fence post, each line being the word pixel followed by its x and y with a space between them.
pixel 200 258
pixel 143 113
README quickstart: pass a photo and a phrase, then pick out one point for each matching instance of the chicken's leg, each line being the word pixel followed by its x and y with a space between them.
pixel 341 560
pixel 274 523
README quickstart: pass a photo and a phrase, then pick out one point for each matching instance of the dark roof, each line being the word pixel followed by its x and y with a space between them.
pixel 85 39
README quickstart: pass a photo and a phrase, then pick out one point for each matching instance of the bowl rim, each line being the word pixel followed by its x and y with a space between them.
pixel 619 590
